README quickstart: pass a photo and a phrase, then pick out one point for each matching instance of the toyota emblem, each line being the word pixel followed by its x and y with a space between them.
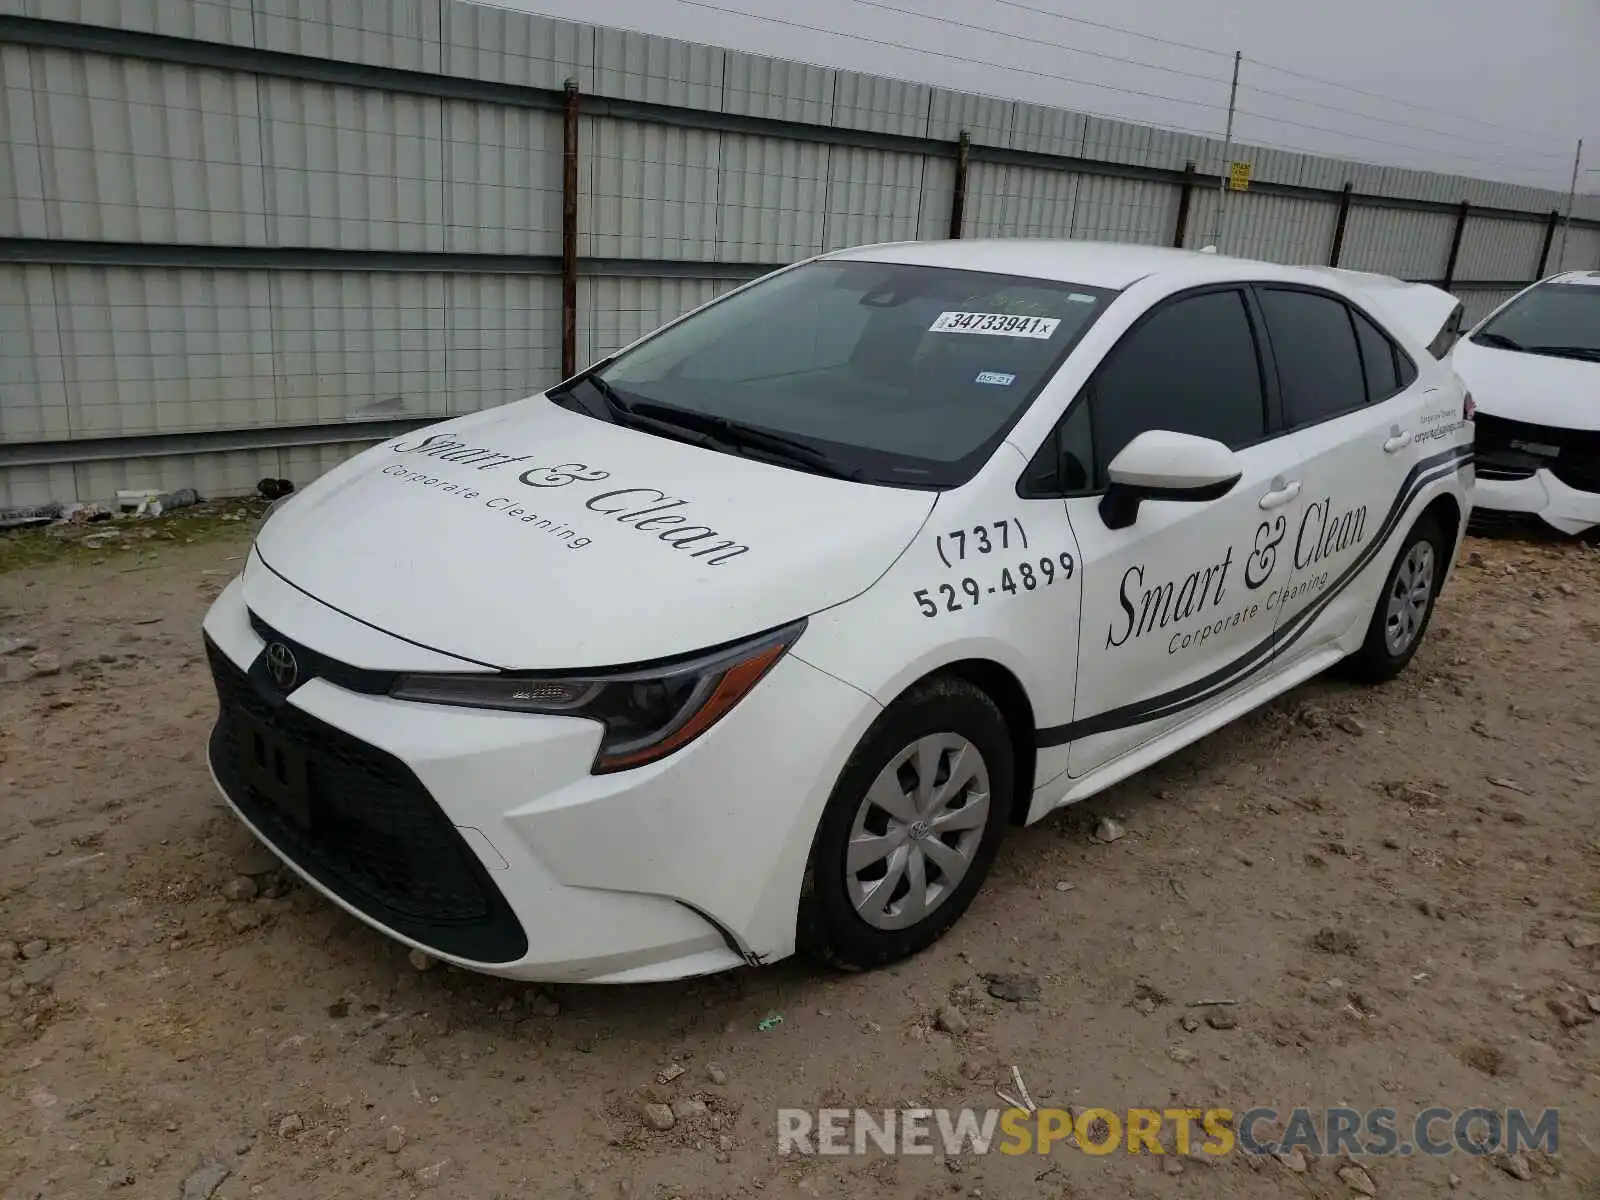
pixel 281 665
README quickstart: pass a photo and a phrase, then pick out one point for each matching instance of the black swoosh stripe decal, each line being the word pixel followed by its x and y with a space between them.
pixel 1281 639
pixel 1252 660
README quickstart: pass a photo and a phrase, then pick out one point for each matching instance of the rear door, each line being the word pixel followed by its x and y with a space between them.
pixel 1352 412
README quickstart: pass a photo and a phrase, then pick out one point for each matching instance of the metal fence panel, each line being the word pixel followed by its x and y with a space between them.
pixel 1045 130
pixel 638 66
pixel 353 168
pixel 772 199
pixel 879 104
pixel 33 388
pixel 26 487
pixel 648 191
pixel 227 21
pixel 614 312
pixel 1109 209
pixel 211 166
pixel 503 167
pixel 988 184
pixel 383 33
pixel 140 151
pixel 503 46
pixel 1412 245
pixel 938 194
pixel 1039 204
pixel 165 350
pixel 1500 249
pixel 1581 252
pixel 504 339
pixel 358 343
pixel 22 190
pixel 1480 302
pixel 1285 229
pixel 988 120
pixel 769 87
pixel 872 197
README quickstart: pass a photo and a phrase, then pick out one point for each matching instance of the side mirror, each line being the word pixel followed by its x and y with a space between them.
pixel 1159 465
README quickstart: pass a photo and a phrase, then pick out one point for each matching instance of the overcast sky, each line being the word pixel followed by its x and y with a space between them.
pixel 1488 88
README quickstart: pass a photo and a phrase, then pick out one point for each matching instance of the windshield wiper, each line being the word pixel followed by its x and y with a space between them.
pixel 739 436
pixel 619 410
pixel 1499 341
pixel 1586 353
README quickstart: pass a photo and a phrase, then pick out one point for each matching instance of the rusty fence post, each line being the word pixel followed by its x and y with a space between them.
pixel 958 201
pixel 569 232
pixel 1549 238
pixel 1181 229
pixel 1455 245
pixel 1339 224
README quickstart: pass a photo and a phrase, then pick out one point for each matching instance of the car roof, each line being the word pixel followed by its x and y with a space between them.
pixel 1582 278
pixel 1114 265
pixel 1421 308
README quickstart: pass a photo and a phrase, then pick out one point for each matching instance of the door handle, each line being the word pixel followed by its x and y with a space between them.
pixel 1398 440
pixel 1280 495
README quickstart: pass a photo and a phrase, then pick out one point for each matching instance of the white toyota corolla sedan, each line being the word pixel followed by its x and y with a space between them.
pixel 1533 366
pixel 757 635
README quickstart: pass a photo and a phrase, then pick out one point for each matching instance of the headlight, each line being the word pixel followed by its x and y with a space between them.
pixel 647 713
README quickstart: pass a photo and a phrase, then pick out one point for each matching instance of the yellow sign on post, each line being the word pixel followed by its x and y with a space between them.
pixel 1239 176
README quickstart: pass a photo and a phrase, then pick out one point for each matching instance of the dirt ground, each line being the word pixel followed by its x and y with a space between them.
pixel 1401 886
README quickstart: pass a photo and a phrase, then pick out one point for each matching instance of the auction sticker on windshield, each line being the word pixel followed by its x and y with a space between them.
pixel 994 324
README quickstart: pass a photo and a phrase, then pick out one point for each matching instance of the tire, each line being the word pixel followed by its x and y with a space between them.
pixel 846 918
pixel 1399 622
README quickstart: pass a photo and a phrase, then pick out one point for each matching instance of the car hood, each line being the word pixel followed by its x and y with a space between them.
pixel 1561 392
pixel 532 537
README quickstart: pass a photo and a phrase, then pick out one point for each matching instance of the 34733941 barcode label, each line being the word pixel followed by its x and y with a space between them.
pixel 994 324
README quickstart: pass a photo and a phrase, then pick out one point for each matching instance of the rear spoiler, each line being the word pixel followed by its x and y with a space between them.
pixel 1431 315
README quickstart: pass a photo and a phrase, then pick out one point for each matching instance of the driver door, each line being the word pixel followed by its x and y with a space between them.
pixel 1176 605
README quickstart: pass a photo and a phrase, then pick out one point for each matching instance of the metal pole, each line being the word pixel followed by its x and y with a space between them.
pixel 1339 223
pixel 1182 227
pixel 1227 153
pixel 1572 195
pixel 569 232
pixel 1549 237
pixel 958 199
pixel 1455 245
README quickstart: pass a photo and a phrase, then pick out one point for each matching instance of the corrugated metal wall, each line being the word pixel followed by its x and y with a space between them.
pixel 216 269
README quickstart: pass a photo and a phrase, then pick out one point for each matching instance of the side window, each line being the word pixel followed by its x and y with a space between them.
pixel 1379 357
pixel 1064 464
pixel 1191 368
pixel 1319 366
pixel 1406 368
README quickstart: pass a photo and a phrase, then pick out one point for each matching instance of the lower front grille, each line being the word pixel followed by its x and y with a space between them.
pixel 357 820
pixel 1509 449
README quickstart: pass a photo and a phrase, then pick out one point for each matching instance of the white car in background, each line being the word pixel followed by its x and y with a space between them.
pixel 1533 367
pixel 757 635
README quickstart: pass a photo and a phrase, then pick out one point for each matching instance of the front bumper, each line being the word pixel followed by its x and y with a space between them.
pixel 1541 495
pixel 482 838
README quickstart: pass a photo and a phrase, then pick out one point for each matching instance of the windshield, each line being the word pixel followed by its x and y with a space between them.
pixel 1557 319
pixel 901 375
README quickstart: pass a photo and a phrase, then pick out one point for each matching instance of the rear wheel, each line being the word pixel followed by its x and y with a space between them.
pixel 1405 606
pixel 911 829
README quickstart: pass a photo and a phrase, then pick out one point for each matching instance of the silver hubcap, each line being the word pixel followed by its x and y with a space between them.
pixel 1408 599
pixel 917 830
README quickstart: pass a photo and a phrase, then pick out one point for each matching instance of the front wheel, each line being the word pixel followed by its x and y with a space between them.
pixel 911 828
pixel 1404 608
